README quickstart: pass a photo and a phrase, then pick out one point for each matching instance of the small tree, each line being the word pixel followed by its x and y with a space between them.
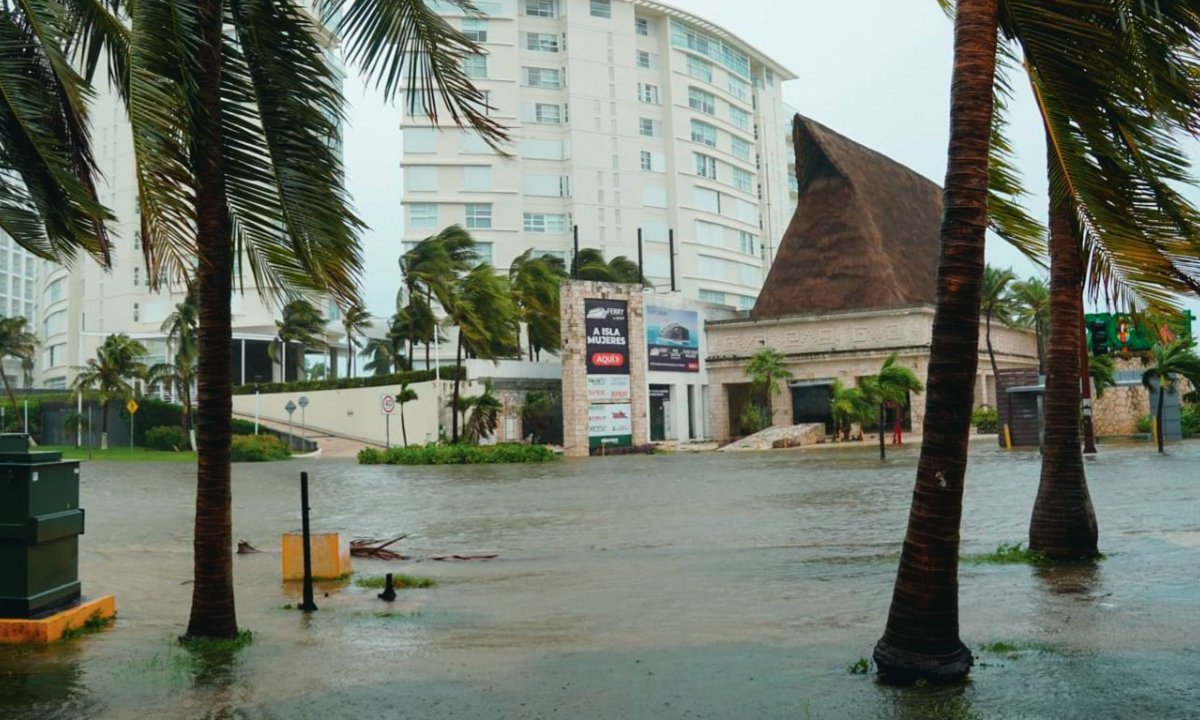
pixel 1171 362
pixel 301 324
pixel 117 361
pixel 76 423
pixel 765 369
pixel 485 416
pixel 848 406
pixel 890 388
pixel 406 395
pixel 15 341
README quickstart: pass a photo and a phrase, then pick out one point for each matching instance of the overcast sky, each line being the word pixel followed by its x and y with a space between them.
pixel 877 71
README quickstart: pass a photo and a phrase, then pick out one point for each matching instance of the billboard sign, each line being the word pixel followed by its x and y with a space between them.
pixel 608 388
pixel 610 425
pixel 606 323
pixel 672 339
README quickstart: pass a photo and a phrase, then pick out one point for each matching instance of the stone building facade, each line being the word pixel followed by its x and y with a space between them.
pixel 845 346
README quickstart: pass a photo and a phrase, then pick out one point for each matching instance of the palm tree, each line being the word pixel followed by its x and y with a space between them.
pixel 180 373
pixel 301 324
pixel 890 388
pixel 355 321
pixel 589 264
pixel 1171 362
pixel 1103 371
pixel 766 368
pixel 485 416
pixel 430 270
pixel 536 282
pixel 848 406
pixel 383 360
pixel 15 341
pixel 995 301
pixel 76 424
pixel 117 361
pixel 48 184
pixel 415 323
pixel 1031 306
pixel 481 306
pixel 233 106
pixel 406 395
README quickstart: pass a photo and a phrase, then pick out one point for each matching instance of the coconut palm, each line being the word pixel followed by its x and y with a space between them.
pixel 589 264
pixel 1103 371
pixel 356 320
pixel 233 106
pixel 535 284
pixel 890 388
pixel 1171 362
pixel 76 424
pixel 848 406
pixel 995 301
pixel 766 368
pixel 15 341
pixel 302 325
pixel 180 373
pixel 484 417
pixel 118 361
pixel 416 323
pixel 481 306
pixel 383 360
pixel 406 395
pixel 430 270
pixel 1031 306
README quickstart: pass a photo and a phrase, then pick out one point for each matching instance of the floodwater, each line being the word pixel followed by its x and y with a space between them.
pixel 684 586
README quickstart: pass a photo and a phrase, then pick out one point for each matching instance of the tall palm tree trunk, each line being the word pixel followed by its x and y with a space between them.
pixel 1063 525
pixel 457 381
pixel 991 353
pixel 1085 387
pixel 403 427
pixel 882 420
pixel 1158 417
pixel 921 639
pixel 104 424
pixel 213 614
pixel 1039 333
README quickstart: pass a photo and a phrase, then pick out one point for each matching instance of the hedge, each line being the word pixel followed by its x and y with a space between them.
pixel 258 448
pixel 457 454
pixel 413 377
pixel 167 437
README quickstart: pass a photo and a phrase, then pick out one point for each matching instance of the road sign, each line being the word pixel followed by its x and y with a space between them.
pixel 131 406
pixel 290 407
pixel 387 404
pixel 303 401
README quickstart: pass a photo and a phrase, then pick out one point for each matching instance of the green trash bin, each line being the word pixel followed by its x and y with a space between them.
pixel 40 525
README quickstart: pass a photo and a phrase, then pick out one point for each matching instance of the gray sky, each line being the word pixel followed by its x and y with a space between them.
pixel 877 71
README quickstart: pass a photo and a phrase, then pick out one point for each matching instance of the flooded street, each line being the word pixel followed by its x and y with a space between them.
pixel 718 585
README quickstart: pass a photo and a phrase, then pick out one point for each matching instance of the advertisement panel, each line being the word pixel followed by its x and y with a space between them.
pixel 610 425
pixel 608 388
pixel 606 323
pixel 672 339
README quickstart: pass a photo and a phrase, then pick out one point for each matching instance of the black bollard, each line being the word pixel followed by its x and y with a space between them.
pixel 389 590
pixel 308 605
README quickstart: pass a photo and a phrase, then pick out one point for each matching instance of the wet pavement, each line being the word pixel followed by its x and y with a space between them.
pixel 681 586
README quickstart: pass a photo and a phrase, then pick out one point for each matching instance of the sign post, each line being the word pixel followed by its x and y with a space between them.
pixel 303 421
pixel 132 407
pixel 291 408
pixel 387 406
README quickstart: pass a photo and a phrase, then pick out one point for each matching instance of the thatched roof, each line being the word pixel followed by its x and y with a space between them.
pixel 864 235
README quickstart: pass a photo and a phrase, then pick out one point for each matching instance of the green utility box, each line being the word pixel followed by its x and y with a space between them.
pixel 40 525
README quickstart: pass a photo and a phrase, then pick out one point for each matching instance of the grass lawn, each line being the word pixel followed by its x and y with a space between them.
pixel 121 454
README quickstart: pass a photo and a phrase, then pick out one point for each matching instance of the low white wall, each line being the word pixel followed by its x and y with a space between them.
pixel 356 413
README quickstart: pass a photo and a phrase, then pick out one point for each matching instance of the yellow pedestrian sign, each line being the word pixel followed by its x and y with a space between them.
pixel 131 406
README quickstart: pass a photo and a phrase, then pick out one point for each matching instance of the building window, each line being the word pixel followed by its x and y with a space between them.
pixel 704 133
pixel 746 242
pixel 700 69
pixel 541 77
pixel 545 223
pixel 475 67
pixel 737 87
pixel 541 8
pixel 745 302
pixel 55 322
pixel 485 252
pixel 541 42
pixel 702 101
pixel 137 312
pixel 477 178
pixel 475 29
pixel 643 60
pixel 641 26
pixel 739 117
pixel 645 159
pixel 419 141
pixel 712 296
pixel 547 114
pixel 742 180
pixel 648 93
pixel 423 216
pixel 420 178
pixel 602 8
pixel 706 166
pixel 55 291
pixel 741 148
pixel 479 216
pixel 137 276
pixel 648 127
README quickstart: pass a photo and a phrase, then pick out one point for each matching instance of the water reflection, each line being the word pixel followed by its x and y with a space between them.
pixel 1083 579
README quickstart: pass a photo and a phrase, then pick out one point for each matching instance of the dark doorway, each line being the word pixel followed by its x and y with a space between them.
pixel 660 399
pixel 810 404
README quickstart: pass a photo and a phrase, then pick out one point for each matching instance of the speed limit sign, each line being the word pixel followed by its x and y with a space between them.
pixel 387 404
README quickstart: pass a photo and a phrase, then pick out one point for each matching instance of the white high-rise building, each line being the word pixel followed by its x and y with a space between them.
pixel 624 115
pixel 18 295
pixel 82 304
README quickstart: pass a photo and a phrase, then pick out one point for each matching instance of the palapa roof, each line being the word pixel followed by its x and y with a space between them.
pixel 865 233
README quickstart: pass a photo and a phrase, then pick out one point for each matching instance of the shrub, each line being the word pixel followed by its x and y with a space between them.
pixel 166 437
pixel 242 427
pixel 1191 420
pixel 986 419
pixel 410 378
pixel 752 420
pixel 456 454
pixel 1143 424
pixel 258 448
